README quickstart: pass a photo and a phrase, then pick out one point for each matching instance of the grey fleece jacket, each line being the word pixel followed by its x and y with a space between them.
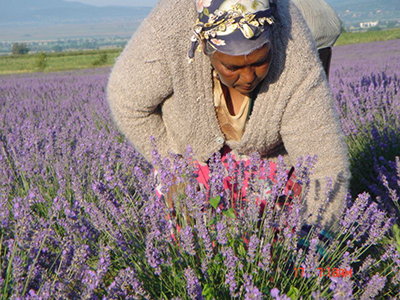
pixel 153 90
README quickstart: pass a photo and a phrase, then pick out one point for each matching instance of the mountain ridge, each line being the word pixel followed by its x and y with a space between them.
pixel 47 12
pixel 22 13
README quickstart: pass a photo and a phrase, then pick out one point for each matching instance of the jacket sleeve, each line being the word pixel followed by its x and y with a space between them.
pixel 138 84
pixel 310 125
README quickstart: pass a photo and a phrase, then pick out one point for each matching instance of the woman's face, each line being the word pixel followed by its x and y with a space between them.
pixel 243 72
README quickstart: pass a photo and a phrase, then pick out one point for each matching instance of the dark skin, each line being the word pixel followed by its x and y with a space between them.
pixel 240 75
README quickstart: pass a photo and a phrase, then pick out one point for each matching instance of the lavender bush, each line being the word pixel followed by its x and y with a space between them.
pixel 368 97
pixel 80 218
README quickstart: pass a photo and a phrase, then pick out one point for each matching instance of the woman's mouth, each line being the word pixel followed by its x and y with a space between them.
pixel 247 87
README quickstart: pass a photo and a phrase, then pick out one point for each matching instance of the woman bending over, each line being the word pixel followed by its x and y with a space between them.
pixel 231 76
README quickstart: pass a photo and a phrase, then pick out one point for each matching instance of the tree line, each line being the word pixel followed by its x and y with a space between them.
pixel 20 48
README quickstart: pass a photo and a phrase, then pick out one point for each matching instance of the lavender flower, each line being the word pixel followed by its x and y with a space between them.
pixel 231 282
pixel 187 241
pixel 18 274
pixel 317 295
pixel 392 193
pixel 254 168
pixel 346 261
pixel 378 228
pixel 221 232
pixel 230 262
pixel 252 291
pixel 104 262
pixel 281 178
pixel 364 222
pixel 368 262
pixel 275 293
pixel 342 288
pixel 253 246
pixel 91 282
pixel 266 257
pixel 232 168
pixel 194 289
pixel 355 211
pixel 217 175
pixel 204 234
pixel 252 211
pixel 124 283
pixel 241 175
pixel 153 255
pixel 311 263
pixel 391 253
pixel 204 268
pixel 374 286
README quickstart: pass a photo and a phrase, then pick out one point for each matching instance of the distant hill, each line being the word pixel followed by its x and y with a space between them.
pixel 47 12
pixel 356 11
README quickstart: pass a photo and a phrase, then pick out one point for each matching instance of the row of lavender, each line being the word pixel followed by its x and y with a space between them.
pixel 366 84
pixel 80 218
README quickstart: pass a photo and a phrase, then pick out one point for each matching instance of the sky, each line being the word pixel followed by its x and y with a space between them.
pixel 117 2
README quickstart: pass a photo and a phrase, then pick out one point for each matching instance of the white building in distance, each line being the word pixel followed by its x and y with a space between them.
pixel 369 24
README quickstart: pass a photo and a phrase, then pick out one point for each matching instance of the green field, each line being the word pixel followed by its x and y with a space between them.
pixel 63 61
pixel 347 38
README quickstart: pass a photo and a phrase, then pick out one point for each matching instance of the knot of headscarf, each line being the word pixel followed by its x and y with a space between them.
pixel 233 27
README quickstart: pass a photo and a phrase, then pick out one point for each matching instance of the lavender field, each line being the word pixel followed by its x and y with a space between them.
pixel 365 80
pixel 79 219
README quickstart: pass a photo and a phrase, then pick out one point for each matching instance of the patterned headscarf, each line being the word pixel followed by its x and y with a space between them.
pixel 233 27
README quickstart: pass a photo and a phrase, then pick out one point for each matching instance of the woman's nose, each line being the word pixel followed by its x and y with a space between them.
pixel 248 75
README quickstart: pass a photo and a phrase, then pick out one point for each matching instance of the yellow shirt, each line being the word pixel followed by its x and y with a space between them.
pixel 232 126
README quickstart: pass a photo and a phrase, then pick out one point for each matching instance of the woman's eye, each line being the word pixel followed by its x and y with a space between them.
pixel 232 69
pixel 261 63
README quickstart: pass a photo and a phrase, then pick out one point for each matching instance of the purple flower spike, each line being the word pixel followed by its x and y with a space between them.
pixel 230 263
pixel 204 234
pixel 342 288
pixel 187 241
pixel 398 170
pixel 126 280
pixel 266 257
pixel 217 175
pixel 232 168
pixel 231 282
pixel 253 246
pixel 317 296
pixel 275 293
pixel 352 214
pixel 252 292
pixel 311 263
pixel 374 286
pixel 194 289
pixel 153 257
pixel 221 232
